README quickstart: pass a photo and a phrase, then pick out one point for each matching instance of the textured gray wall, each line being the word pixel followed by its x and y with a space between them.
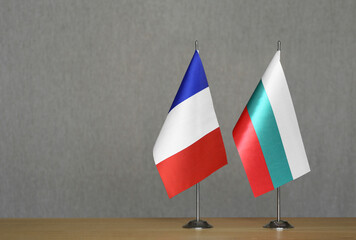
pixel 85 87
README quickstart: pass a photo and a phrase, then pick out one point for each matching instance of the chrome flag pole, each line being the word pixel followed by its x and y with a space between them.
pixel 197 223
pixel 197 192
pixel 278 224
pixel 278 205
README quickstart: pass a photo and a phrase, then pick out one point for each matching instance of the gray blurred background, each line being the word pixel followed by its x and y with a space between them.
pixel 85 87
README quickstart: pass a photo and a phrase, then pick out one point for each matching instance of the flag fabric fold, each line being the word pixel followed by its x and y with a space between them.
pixel 267 134
pixel 189 147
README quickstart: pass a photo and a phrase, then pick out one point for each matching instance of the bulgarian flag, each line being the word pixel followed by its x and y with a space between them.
pixel 267 134
pixel 189 147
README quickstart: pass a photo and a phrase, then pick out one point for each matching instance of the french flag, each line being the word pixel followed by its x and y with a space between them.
pixel 267 134
pixel 189 147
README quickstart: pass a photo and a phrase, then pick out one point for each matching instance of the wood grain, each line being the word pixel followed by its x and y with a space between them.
pixel 171 228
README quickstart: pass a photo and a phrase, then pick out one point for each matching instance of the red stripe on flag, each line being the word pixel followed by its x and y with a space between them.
pixel 251 155
pixel 191 165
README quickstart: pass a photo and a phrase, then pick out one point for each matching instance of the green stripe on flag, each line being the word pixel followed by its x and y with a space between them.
pixel 264 122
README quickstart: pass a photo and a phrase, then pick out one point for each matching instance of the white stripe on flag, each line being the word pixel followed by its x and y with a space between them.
pixel 277 90
pixel 189 121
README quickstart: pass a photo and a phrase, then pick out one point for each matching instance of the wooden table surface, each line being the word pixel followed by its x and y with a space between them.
pixel 171 228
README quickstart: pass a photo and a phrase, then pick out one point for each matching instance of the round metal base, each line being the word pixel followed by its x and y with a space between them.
pixel 197 224
pixel 279 225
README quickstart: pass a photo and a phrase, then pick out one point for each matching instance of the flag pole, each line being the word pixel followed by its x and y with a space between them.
pixel 278 192
pixel 197 223
pixel 197 206
pixel 278 224
pixel 278 205
pixel 197 186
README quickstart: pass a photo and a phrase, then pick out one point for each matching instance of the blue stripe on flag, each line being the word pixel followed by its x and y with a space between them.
pixel 193 82
pixel 264 122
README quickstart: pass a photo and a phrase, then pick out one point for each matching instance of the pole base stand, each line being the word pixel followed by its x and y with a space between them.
pixel 197 224
pixel 278 224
